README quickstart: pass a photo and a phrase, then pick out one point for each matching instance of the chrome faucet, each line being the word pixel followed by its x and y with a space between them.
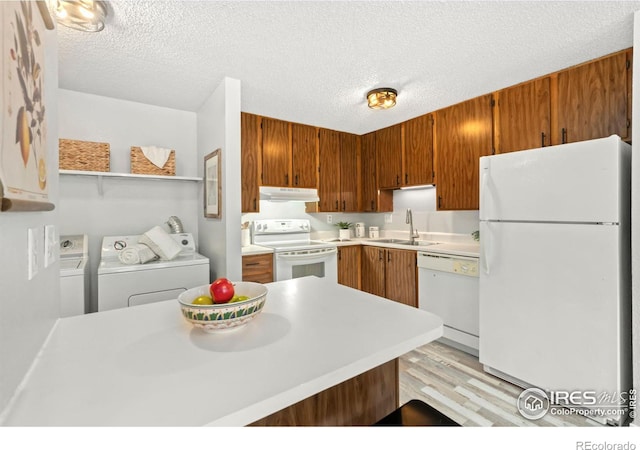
pixel 413 234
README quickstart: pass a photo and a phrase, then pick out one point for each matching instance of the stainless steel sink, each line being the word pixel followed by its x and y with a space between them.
pixel 392 241
pixel 402 242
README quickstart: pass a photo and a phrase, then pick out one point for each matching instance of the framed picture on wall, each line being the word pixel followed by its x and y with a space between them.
pixel 212 185
pixel 23 146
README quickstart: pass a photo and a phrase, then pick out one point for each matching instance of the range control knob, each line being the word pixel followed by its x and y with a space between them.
pixel 185 242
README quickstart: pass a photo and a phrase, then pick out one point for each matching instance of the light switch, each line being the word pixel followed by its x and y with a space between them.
pixel 329 218
pixel 388 218
pixel 32 253
pixel 50 245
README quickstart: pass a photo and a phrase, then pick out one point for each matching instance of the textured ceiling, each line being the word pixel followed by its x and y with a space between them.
pixel 313 62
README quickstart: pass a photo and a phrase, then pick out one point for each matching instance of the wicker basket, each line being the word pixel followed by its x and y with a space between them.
pixel 141 165
pixel 83 155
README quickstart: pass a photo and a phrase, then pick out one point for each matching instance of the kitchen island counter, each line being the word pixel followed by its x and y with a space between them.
pixel 147 366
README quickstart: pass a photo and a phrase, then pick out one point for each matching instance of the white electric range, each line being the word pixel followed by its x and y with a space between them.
pixel 295 253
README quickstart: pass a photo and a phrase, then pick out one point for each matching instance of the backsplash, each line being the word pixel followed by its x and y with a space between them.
pixel 421 201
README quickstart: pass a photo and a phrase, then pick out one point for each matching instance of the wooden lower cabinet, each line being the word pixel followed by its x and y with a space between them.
pixel 390 273
pixel 373 273
pixel 400 276
pixel 349 265
pixel 257 268
pixel 362 400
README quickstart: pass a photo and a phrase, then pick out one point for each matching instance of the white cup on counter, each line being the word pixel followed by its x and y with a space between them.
pixel 374 232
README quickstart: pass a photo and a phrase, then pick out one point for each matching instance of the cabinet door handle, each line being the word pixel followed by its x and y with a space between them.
pixel 564 135
pixel 337 206
pixel 397 180
pixel 286 179
pixel 254 204
pixel 439 201
pixel 373 206
pixel 252 264
pixel 380 255
pixel 296 180
pixel 339 254
pixel 344 205
pixel 406 178
pixel 388 256
pixel 542 139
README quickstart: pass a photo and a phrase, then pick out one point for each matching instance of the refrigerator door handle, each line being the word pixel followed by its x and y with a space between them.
pixel 484 243
pixel 484 192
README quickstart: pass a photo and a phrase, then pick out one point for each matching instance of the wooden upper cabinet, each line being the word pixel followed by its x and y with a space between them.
pixel 593 100
pixel 523 116
pixel 329 176
pixel 400 276
pixel 250 151
pixel 389 157
pixel 276 153
pixel 418 151
pixel 349 176
pixel 463 134
pixel 304 154
pixel 369 185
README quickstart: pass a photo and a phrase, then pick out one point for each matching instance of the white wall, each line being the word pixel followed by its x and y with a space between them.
pixel 219 128
pixel 635 214
pixel 421 201
pixel 127 206
pixel 425 217
pixel 124 124
pixel 29 308
pixel 296 210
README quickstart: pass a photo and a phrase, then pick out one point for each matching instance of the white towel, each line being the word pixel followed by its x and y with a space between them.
pixel 157 155
pixel 161 243
pixel 137 254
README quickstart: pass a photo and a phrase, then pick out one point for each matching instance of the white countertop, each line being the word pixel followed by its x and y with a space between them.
pixel 471 249
pixel 147 366
pixel 255 250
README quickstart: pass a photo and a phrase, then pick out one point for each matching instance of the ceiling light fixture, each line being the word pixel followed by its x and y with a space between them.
pixel 382 98
pixel 83 15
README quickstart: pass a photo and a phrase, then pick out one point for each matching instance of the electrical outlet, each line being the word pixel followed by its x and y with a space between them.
pixel 32 253
pixel 329 218
pixel 50 245
pixel 388 218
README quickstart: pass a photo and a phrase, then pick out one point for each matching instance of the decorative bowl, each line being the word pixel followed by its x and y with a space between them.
pixel 223 316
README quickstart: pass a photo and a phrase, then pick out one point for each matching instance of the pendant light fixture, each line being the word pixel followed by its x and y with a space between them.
pixel 83 15
pixel 382 98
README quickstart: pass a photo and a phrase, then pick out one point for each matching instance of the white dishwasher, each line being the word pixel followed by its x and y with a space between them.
pixel 448 287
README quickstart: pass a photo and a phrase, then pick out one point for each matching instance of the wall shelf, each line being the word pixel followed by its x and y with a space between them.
pixel 100 176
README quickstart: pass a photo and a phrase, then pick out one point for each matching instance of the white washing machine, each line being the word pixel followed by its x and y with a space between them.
pixel 74 275
pixel 121 285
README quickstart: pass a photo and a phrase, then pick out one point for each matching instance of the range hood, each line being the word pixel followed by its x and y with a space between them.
pixel 283 194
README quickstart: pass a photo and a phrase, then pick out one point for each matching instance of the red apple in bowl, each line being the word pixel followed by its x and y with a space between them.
pixel 221 290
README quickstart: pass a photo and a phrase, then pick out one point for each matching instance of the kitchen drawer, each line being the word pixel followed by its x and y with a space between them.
pixel 257 268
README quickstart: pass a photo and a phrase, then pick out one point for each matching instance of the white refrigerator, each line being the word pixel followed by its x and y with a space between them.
pixel 555 270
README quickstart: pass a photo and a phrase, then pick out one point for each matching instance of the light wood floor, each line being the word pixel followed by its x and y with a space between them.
pixel 454 383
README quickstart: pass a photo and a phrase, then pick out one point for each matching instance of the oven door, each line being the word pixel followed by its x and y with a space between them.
pixel 301 263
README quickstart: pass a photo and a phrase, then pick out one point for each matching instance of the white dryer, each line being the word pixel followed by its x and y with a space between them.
pixel 74 275
pixel 121 285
